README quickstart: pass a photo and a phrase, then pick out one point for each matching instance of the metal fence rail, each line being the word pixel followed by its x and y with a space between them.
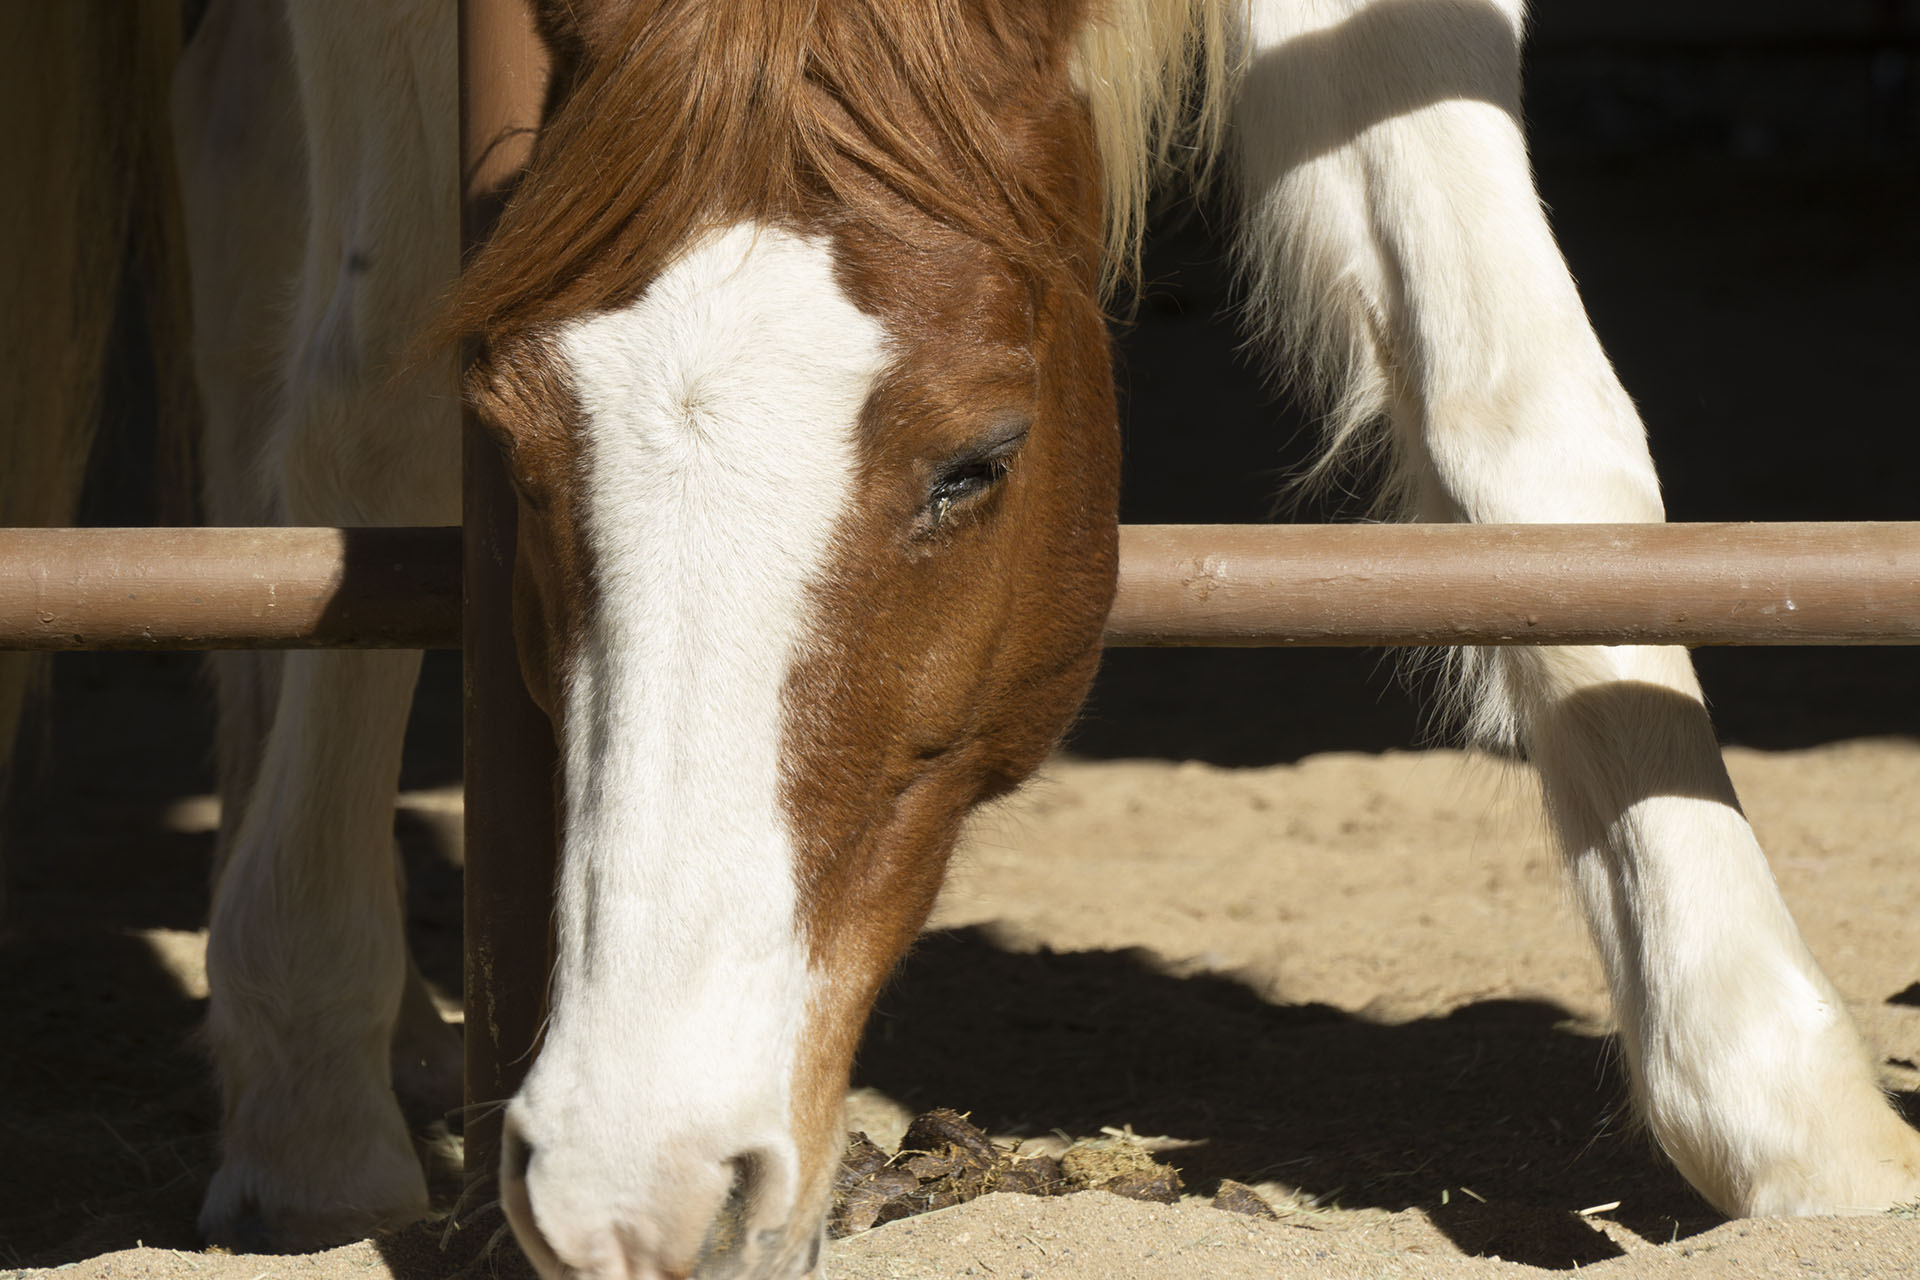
pixel 1240 585
pixel 1450 584
pixel 230 588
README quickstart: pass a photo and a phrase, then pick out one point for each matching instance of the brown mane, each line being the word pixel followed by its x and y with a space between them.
pixel 791 111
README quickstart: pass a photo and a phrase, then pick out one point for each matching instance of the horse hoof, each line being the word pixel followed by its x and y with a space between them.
pixel 1860 1163
pixel 1882 1172
pixel 254 1210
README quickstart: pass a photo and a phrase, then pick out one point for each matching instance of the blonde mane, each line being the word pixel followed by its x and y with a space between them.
pixel 1158 76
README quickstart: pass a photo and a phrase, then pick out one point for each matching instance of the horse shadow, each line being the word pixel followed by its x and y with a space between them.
pixel 1498 1120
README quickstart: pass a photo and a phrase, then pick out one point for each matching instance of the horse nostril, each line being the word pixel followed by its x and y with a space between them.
pixel 516 1153
pixel 521 1160
pixel 516 1159
pixel 746 1176
pixel 728 1233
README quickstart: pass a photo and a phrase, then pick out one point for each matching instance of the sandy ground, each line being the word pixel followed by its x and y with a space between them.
pixel 1353 982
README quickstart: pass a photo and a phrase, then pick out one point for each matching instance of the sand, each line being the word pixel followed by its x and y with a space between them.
pixel 1354 983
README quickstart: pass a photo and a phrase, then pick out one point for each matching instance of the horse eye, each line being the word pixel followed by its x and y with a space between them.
pixel 971 475
pixel 966 480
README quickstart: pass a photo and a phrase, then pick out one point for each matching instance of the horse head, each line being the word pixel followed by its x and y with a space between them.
pixel 792 340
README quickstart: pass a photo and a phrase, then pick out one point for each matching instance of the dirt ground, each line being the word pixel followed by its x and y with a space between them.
pixel 1239 916
pixel 1353 982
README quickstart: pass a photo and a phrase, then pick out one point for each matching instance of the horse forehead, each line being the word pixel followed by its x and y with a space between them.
pixel 747 336
pixel 717 449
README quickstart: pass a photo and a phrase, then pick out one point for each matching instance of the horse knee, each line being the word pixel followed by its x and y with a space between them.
pixel 370 416
pixel 367 439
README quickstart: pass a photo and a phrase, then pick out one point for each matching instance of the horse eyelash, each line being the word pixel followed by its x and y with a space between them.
pixel 976 478
pixel 941 505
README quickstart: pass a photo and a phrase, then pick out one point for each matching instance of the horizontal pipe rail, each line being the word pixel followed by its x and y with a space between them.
pixel 1217 585
pixel 1405 584
pixel 302 588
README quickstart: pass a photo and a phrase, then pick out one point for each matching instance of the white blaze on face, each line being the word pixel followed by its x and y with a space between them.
pixel 719 415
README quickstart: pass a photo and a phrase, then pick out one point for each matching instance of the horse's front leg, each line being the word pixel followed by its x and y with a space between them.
pixel 307 963
pixel 313 998
pixel 1390 204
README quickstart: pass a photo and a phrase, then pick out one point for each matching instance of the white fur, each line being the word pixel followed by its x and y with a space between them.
pixel 720 452
pixel 1397 250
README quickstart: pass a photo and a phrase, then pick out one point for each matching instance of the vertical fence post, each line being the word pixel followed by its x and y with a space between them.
pixel 509 753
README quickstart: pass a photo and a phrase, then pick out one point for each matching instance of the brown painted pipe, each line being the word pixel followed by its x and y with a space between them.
pixel 229 588
pixel 1231 585
pixel 1687 584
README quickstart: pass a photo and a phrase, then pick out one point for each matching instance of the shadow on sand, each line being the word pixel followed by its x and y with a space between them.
pixel 1498 1120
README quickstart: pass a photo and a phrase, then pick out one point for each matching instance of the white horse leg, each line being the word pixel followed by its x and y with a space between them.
pixel 236 119
pixel 1391 210
pixel 307 966
pixel 306 957
pixel 242 156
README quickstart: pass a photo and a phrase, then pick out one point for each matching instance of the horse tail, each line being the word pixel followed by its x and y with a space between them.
pixel 1159 77
pixel 89 221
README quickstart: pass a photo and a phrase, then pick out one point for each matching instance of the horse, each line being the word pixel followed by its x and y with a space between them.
pixel 793 340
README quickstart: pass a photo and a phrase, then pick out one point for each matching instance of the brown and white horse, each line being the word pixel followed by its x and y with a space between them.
pixel 792 337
